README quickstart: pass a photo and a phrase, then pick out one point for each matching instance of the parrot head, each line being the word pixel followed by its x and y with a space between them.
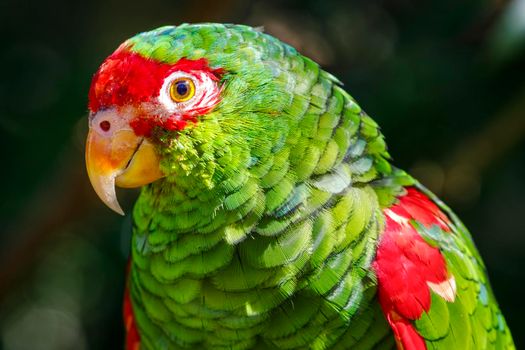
pixel 193 101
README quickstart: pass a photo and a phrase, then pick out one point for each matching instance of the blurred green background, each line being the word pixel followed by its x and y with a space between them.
pixel 445 79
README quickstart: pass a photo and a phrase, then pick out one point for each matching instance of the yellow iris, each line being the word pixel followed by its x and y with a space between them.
pixel 182 89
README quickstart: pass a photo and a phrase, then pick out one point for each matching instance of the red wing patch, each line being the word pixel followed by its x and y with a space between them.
pixel 132 334
pixel 407 267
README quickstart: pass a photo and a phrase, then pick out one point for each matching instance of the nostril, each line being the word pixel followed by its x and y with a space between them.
pixel 105 125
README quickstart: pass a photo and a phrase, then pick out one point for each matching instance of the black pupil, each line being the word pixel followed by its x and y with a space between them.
pixel 182 88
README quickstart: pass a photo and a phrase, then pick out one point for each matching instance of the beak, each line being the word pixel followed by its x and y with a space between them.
pixel 118 157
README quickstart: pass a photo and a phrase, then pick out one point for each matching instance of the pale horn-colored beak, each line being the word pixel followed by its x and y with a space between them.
pixel 116 156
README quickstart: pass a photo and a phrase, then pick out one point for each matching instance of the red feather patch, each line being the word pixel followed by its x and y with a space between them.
pixel 132 334
pixel 407 267
pixel 126 78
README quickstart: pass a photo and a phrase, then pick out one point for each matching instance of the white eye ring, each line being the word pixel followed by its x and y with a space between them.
pixel 165 96
pixel 206 93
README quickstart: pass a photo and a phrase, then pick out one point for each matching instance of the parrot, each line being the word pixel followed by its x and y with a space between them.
pixel 270 213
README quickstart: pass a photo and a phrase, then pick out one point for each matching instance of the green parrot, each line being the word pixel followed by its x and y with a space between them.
pixel 270 215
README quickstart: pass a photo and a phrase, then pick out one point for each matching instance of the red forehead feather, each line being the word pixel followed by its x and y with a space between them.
pixel 127 78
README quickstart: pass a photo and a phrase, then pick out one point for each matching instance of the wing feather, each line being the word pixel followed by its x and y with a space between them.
pixel 433 286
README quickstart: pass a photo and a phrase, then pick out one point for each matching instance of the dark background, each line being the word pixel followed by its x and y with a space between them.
pixel 445 79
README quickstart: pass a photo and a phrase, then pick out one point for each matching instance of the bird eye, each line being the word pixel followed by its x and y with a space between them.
pixel 182 89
